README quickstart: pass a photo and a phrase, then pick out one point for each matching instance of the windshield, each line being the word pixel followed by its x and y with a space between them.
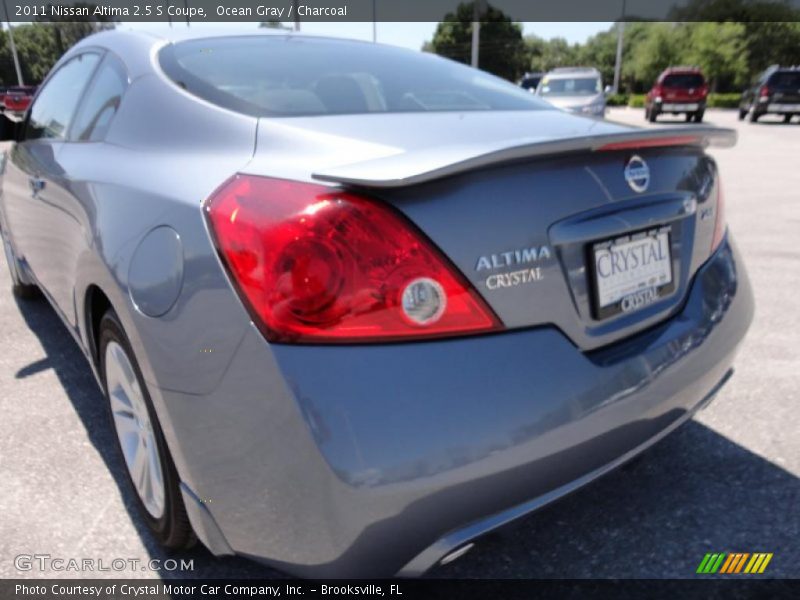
pixel 302 76
pixel 570 86
pixel 786 80
pixel 683 80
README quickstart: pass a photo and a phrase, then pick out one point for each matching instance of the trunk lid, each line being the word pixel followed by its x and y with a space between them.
pixel 519 202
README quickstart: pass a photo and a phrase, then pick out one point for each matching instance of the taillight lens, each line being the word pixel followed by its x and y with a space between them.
pixel 719 220
pixel 317 264
pixel 764 91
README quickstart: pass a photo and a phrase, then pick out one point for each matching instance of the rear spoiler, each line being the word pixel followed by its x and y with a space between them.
pixel 410 168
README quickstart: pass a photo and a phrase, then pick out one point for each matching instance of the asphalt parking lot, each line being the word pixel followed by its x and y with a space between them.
pixel 728 481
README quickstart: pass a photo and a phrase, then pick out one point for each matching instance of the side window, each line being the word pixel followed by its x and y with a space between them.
pixel 101 101
pixel 56 102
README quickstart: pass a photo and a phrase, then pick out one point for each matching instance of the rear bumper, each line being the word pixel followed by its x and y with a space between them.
pixel 782 108
pixel 368 461
pixel 681 106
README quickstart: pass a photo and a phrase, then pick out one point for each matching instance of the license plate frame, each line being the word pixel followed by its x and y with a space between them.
pixel 660 290
pixel 681 106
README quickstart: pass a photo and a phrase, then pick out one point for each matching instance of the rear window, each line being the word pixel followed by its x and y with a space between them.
pixel 573 86
pixel 302 76
pixel 683 80
pixel 785 80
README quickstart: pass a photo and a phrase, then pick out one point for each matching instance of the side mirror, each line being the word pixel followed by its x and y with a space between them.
pixel 9 129
pixel 608 91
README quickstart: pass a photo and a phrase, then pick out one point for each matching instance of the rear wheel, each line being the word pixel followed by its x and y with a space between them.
pixel 652 116
pixel 689 117
pixel 151 471
pixel 742 114
pixel 20 286
pixel 787 118
pixel 753 115
pixel 698 116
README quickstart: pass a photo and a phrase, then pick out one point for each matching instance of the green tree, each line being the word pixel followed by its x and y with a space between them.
pixel 770 43
pixel 662 47
pixel 37 52
pixel 720 50
pixel 550 54
pixel 600 52
pixel 502 49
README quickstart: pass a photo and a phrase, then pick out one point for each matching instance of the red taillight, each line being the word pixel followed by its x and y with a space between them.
pixel 704 91
pixel 318 264
pixel 719 219
pixel 764 91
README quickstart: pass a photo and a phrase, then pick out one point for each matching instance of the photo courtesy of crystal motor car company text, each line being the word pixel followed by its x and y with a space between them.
pixel 342 307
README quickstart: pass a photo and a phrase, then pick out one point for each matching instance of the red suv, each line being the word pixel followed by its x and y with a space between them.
pixel 678 90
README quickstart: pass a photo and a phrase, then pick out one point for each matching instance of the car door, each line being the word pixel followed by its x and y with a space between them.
pixel 39 208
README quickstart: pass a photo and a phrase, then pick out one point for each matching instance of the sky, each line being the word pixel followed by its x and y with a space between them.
pixel 408 35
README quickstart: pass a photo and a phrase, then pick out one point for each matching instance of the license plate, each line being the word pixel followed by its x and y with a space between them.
pixel 680 107
pixel 632 272
pixel 783 108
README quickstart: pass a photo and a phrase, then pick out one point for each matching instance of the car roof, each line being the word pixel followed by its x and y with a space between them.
pixel 136 46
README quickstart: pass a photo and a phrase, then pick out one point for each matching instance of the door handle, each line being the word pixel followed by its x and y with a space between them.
pixel 36 184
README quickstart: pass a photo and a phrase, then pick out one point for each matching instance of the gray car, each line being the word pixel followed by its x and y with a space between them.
pixel 354 306
pixel 575 89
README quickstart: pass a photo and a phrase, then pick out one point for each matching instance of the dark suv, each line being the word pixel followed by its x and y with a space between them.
pixel 530 81
pixel 776 91
pixel 678 90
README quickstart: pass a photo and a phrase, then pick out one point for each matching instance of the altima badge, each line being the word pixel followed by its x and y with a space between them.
pixel 637 174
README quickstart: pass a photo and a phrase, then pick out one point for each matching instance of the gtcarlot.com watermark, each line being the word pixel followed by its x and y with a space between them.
pixel 48 562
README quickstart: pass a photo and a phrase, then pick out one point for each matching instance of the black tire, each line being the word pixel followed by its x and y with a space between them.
pixel 172 529
pixel 742 114
pixel 787 118
pixel 753 117
pixel 689 117
pixel 646 114
pixel 20 286
pixel 652 116
pixel 698 116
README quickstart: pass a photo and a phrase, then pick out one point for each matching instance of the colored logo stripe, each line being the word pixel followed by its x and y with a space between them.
pixel 734 562
pixel 758 563
pixel 710 563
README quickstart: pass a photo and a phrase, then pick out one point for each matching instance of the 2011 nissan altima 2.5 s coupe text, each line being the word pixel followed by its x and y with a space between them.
pixel 354 306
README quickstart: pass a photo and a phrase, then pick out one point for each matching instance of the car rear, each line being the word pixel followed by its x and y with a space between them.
pixel 574 89
pixel 680 91
pixel 780 95
pixel 451 317
pixel 17 99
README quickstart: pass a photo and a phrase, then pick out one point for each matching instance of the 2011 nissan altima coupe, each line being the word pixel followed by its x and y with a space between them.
pixel 354 306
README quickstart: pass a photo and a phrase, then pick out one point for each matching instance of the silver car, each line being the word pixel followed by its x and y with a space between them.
pixel 352 306
pixel 575 89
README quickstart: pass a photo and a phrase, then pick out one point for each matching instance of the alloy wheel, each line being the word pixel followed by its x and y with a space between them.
pixel 134 429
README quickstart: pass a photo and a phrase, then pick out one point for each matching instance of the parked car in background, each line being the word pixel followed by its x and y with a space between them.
pixel 678 90
pixel 530 81
pixel 18 98
pixel 3 92
pixel 575 89
pixel 776 91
